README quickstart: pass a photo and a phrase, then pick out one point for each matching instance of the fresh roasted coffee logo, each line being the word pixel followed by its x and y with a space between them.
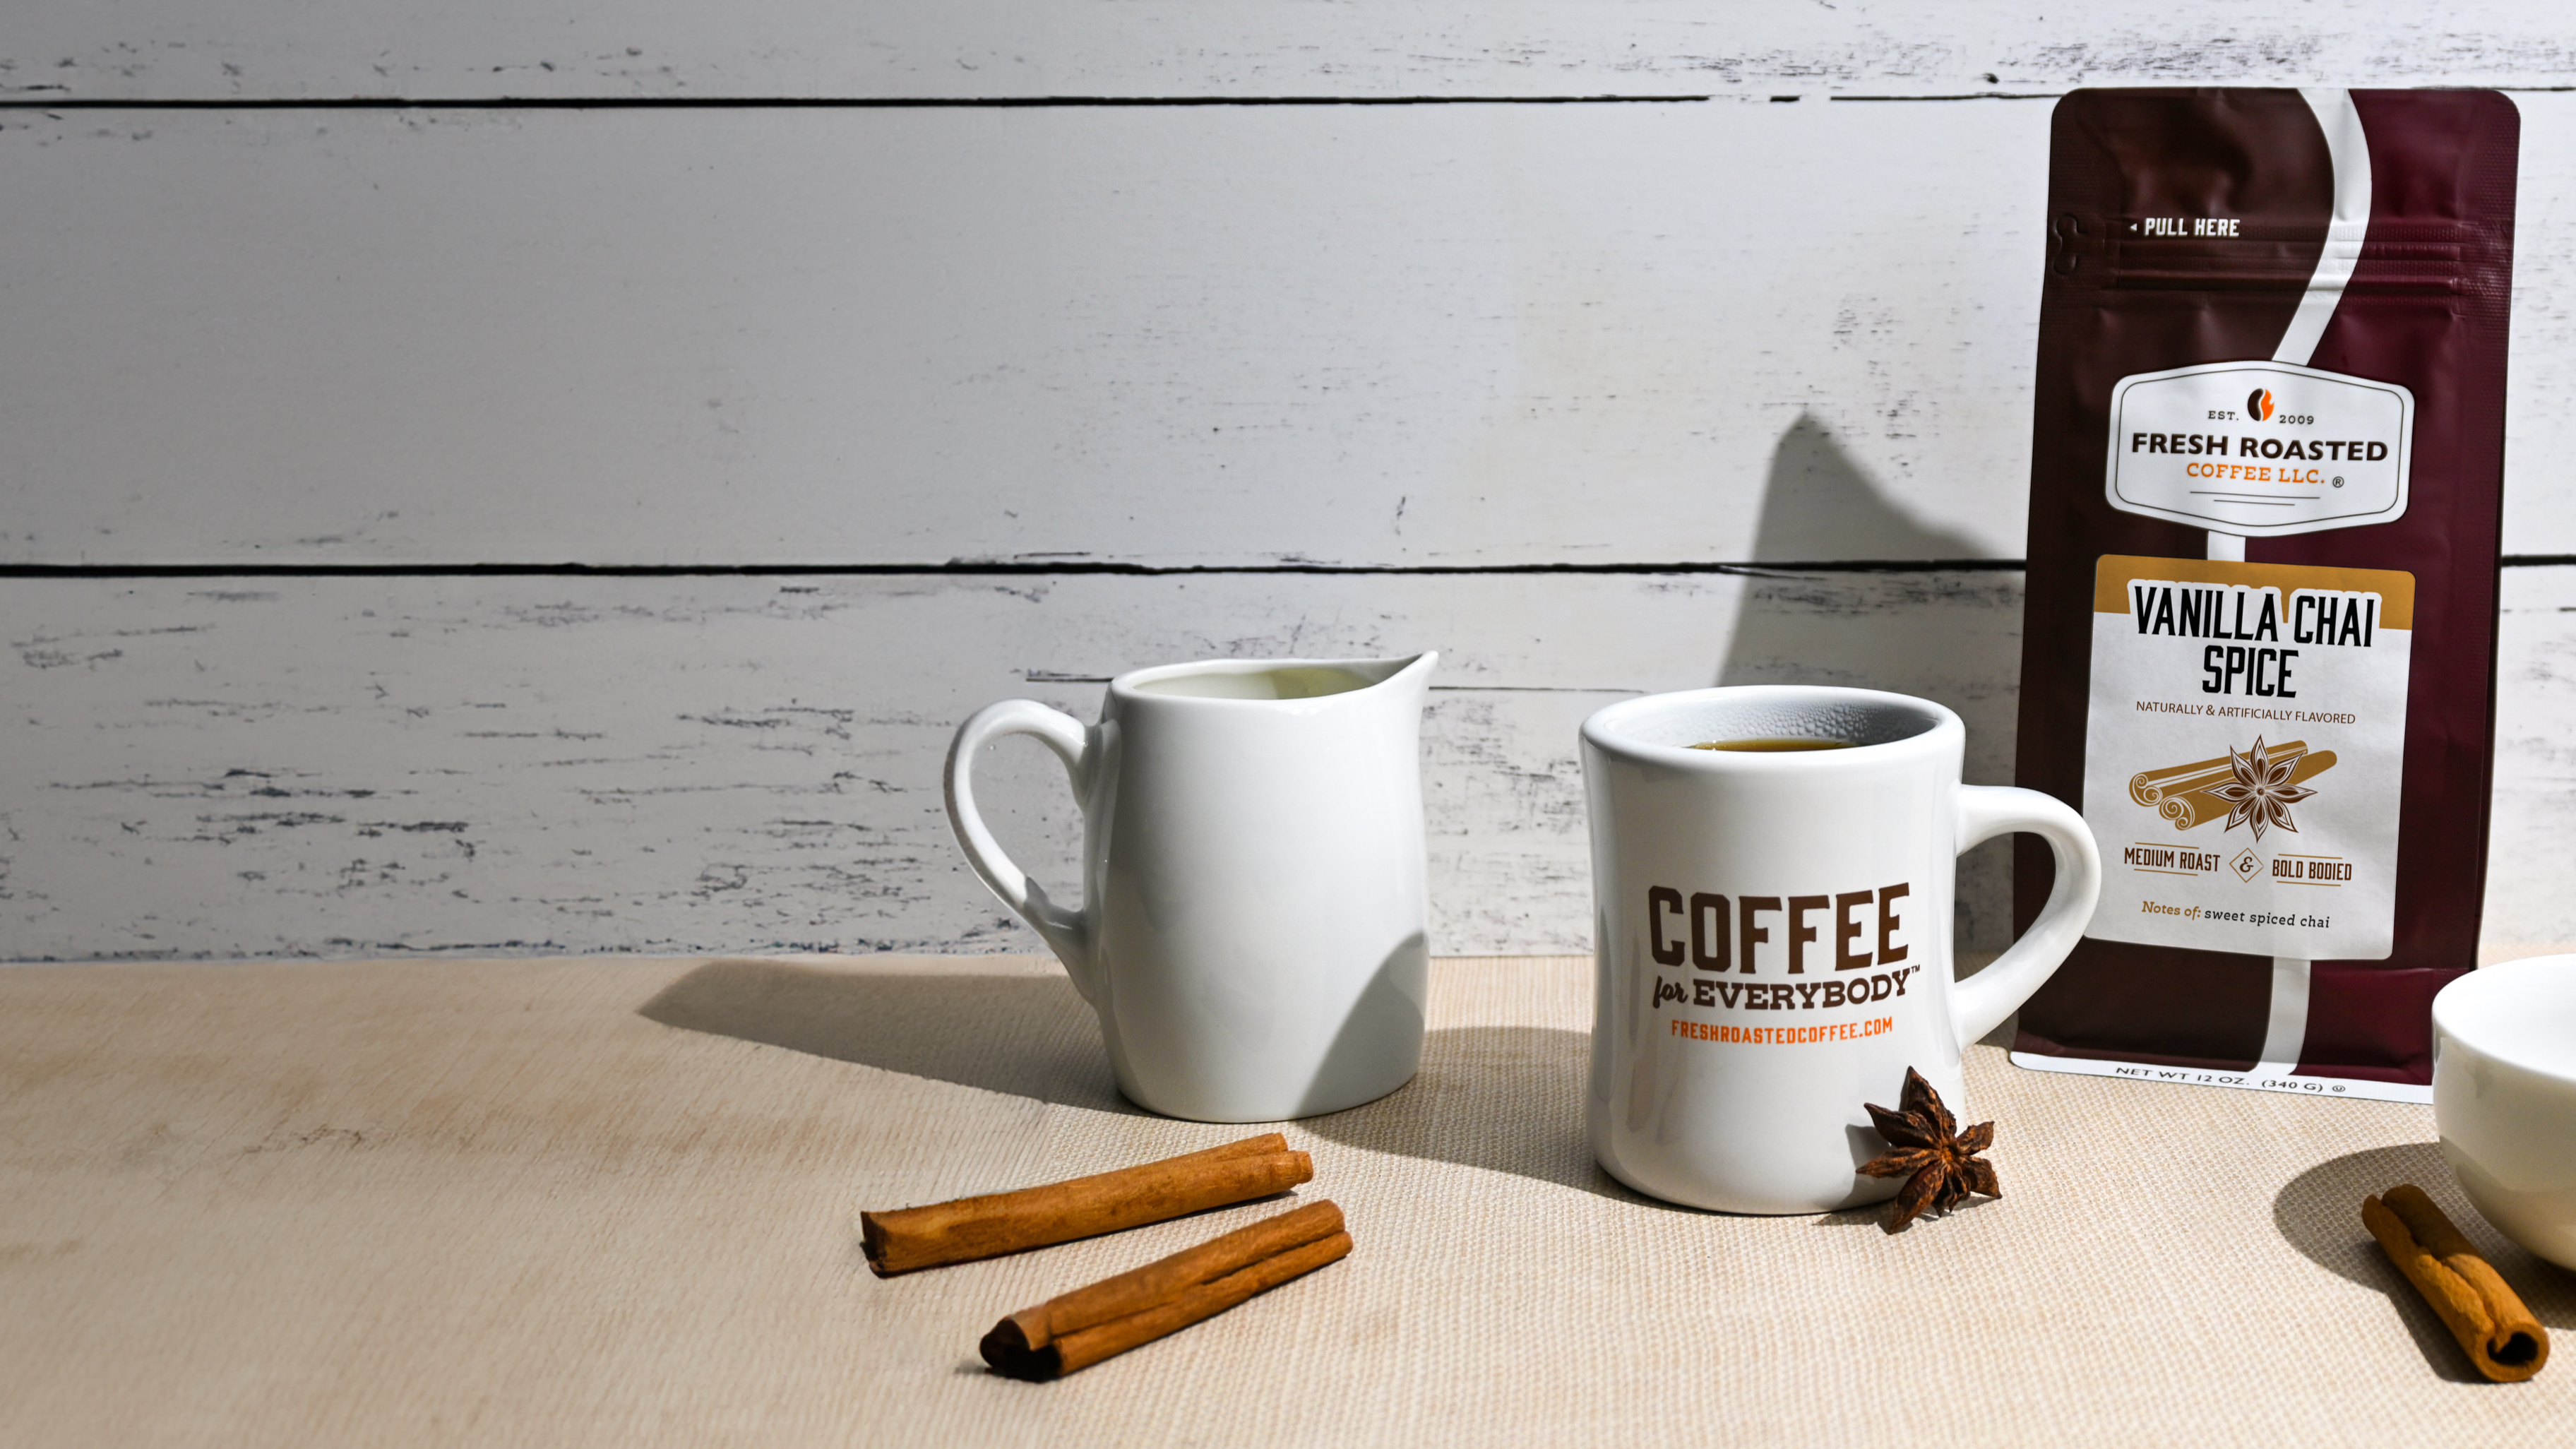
pixel 2301 451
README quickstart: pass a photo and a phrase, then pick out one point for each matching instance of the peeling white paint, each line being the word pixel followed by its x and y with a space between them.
pixel 348 767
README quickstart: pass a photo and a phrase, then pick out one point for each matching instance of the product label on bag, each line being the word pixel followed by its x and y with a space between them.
pixel 2260 448
pixel 2243 755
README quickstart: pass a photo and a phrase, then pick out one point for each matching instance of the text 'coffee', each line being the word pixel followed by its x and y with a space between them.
pixel 1715 932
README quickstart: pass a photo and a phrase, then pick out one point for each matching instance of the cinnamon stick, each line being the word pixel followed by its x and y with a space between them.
pixel 997 1223
pixel 2501 1337
pixel 1076 1330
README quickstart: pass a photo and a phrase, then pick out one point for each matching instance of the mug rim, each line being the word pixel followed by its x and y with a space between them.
pixel 1127 687
pixel 2466 994
pixel 1601 728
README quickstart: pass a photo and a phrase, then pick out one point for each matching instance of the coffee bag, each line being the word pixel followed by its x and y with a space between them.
pixel 2259 654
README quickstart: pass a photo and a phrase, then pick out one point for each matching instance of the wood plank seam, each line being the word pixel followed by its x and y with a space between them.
pixel 1008 568
pixel 56 104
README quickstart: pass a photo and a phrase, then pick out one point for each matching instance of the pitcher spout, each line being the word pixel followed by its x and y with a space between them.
pixel 1304 680
pixel 1411 671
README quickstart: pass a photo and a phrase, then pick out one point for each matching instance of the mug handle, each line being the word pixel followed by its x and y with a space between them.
pixel 1980 1003
pixel 1067 933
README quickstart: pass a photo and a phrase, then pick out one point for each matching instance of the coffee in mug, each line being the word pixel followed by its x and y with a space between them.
pixel 1772 934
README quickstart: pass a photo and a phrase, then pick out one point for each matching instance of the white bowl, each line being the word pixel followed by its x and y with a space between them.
pixel 2504 1097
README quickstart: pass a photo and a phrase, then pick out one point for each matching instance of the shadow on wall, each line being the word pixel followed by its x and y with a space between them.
pixel 1867 629
pixel 1953 636
pixel 1819 506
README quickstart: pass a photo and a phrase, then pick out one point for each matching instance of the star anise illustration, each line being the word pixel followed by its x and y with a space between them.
pixel 1924 1139
pixel 2261 794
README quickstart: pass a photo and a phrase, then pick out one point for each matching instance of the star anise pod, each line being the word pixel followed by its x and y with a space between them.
pixel 2261 793
pixel 1923 1139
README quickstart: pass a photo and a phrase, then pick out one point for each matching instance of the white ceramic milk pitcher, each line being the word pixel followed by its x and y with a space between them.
pixel 1252 929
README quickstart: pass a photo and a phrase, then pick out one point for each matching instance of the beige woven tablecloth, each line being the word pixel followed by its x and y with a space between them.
pixel 609 1202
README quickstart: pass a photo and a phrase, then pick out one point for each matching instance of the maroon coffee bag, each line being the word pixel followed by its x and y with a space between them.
pixel 2266 475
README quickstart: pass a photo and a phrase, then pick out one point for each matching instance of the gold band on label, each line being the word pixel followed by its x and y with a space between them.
pixel 2113 573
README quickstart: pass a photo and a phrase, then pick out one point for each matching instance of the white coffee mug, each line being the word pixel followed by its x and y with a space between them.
pixel 1772 933
pixel 1253 925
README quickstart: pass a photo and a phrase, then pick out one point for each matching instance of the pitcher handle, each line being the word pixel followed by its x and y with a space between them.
pixel 1980 1003
pixel 1066 932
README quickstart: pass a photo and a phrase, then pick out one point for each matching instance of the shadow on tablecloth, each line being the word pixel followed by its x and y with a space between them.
pixel 1026 1036
pixel 2319 1213
pixel 1501 1098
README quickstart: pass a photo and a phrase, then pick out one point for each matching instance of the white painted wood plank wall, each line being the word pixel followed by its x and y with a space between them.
pixel 1004 49
pixel 253 331
pixel 233 768
pixel 345 766
pixel 1171 335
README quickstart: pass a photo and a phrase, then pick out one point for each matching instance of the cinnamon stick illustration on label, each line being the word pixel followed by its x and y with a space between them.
pixel 2195 794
